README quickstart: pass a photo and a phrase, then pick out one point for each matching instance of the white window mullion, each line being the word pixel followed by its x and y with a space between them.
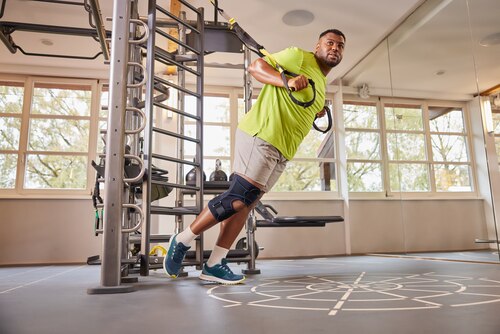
pixel 93 129
pixel 384 152
pixel 23 140
pixel 428 145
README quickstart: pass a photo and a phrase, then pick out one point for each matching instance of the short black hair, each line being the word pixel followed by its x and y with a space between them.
pixel 334 31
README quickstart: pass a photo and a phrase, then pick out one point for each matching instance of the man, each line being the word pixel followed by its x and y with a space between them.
pixel 267 137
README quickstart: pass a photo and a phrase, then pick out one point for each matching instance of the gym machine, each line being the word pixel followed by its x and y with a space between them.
pixel 136 95
pixel 133 185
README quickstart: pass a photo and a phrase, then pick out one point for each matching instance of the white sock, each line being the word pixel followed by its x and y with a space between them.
pixel 186 236
pixel 217 255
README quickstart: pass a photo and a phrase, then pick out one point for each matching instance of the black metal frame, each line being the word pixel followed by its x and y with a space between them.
pixel 98 33
pixel 2 8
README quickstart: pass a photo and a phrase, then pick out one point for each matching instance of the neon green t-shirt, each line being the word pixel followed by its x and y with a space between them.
pixel 274 117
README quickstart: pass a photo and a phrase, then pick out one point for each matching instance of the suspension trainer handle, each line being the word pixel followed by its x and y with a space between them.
pixel 330 121
pixel 283 74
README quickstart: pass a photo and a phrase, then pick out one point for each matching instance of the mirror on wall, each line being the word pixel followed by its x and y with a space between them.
pixel 429 79
pixel 485 35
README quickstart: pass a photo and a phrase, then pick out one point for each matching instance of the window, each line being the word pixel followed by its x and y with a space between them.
pixel 58 137
pixel 45 128
pixel 11 107
pixel 406 148
pixel 450 153
pixel 362 141
pixel 313 167
pixel 419 147
pixel 216 132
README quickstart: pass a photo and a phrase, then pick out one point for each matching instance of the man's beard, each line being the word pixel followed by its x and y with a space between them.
pixel 333 63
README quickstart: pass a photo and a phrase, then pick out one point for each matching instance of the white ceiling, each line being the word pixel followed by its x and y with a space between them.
pixel 436 53
pixel 365 23
pixel 425 43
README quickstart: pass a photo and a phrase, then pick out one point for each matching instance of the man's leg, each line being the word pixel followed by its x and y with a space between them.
pixel 241 194
pixel 231 228
pixel 257 166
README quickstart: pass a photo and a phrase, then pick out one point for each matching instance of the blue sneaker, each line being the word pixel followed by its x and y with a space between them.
pixel 220 273
pixel 172 263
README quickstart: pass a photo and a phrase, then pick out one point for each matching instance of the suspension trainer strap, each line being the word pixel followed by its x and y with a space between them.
pixel 252 44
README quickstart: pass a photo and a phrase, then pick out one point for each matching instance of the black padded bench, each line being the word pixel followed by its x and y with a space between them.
pixel 269 220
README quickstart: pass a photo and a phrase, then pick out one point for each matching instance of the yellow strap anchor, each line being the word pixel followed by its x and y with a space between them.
pixel 158 248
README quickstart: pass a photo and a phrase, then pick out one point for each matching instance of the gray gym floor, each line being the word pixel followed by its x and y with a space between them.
pixel 355 294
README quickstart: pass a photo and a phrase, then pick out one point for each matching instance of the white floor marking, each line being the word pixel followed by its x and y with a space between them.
pixel 40 280
pixel 363 292
pixel 24 272
pixel 346 295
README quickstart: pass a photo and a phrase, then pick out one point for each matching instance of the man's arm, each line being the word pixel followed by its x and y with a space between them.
pixel 265 73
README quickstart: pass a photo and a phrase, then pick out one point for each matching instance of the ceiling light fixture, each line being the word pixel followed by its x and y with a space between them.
pixel 490 40
pixel 298 17
pixel 46 41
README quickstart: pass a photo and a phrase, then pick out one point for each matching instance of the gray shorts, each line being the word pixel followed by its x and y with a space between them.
pixel 258 160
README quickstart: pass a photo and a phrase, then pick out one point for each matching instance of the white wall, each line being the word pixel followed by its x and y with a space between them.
pixel 61 231
pixel 47 231
pixel 416 225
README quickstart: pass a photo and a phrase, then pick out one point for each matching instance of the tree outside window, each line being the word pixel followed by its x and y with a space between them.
pixel 58 137
pixel 450 153
pixel 362 141
pixel 50 151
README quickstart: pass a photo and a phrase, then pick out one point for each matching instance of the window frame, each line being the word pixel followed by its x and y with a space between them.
pixel 234 93
pixel 382 148
pixel 430 162
pixel 427 148
pixel 19 191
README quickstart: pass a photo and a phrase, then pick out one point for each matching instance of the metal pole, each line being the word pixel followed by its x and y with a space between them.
pixel 247 85
pixel 148 134
pixel 131 122
pixel 113 176
pixel 181 81
pixel 251 225
pixel 251 219
pixel 199 127
pixel 99 27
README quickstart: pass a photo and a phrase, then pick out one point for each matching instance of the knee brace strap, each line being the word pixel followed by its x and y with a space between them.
pixel 221 206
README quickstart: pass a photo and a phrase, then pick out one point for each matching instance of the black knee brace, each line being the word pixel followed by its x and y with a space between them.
pixel 221 206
